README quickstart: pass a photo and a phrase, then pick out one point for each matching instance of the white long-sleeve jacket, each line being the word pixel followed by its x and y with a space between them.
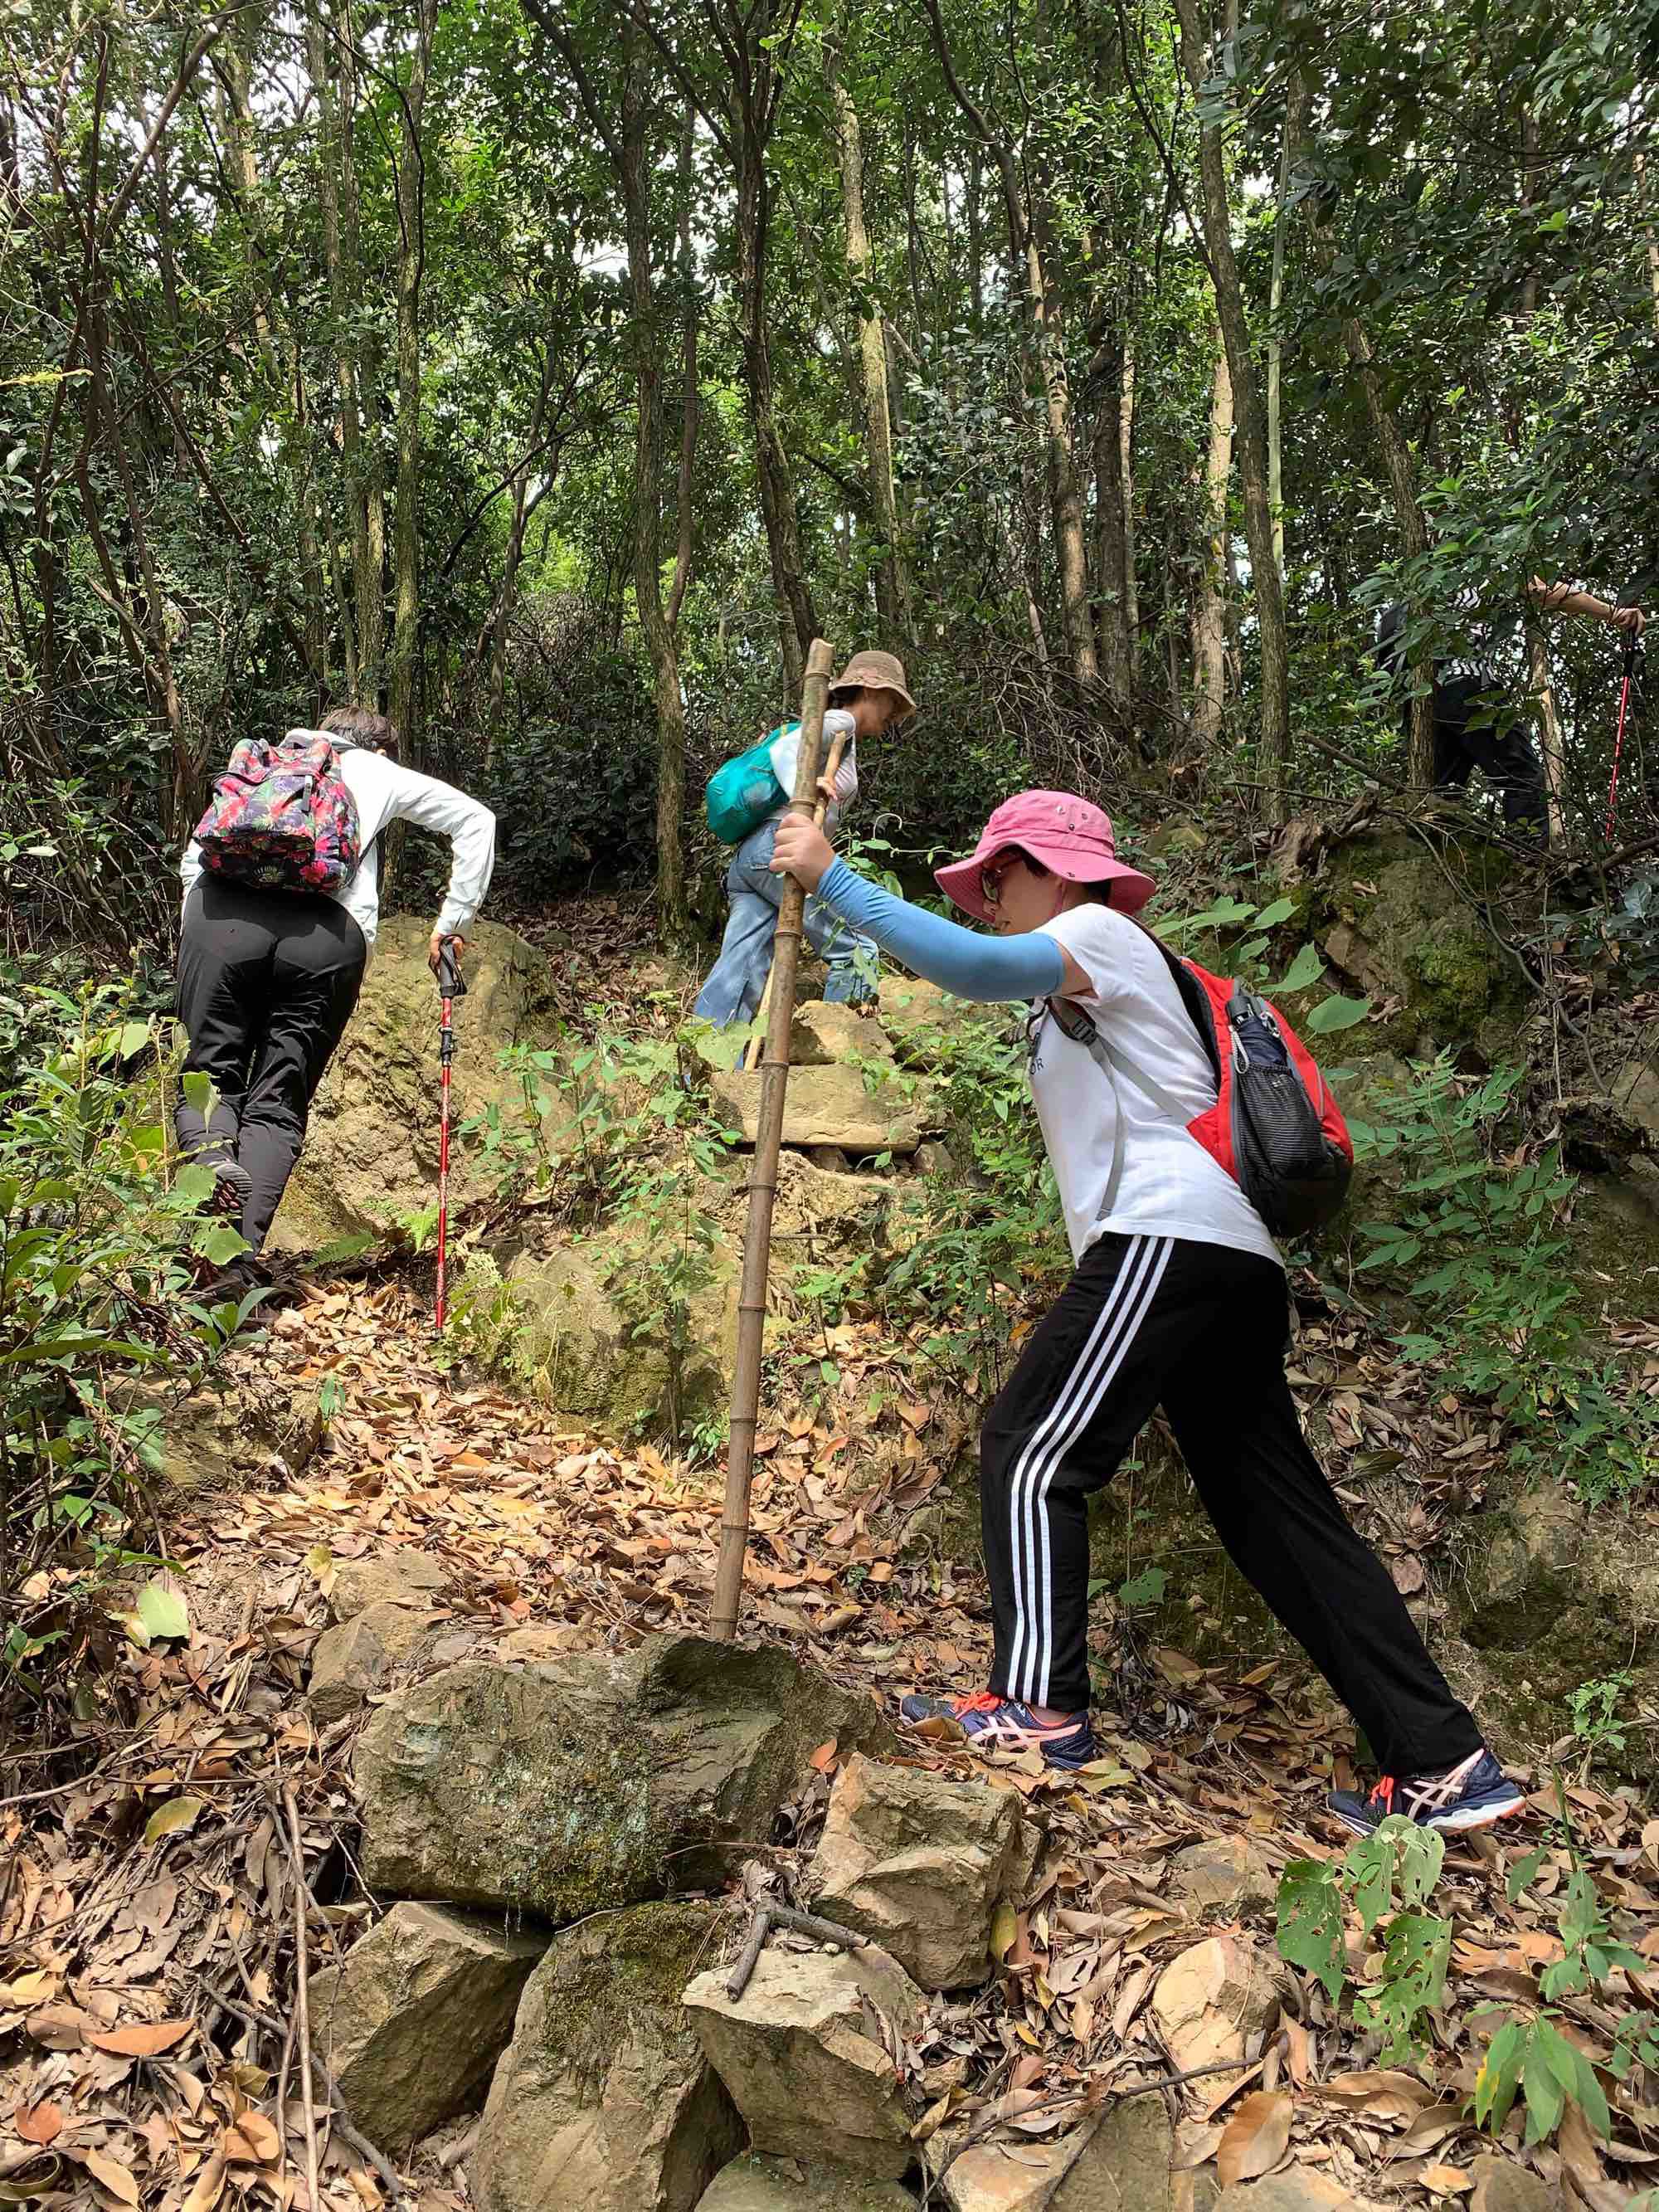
pixel 384 792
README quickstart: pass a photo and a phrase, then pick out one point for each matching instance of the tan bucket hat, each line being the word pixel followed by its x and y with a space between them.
pixel 876 671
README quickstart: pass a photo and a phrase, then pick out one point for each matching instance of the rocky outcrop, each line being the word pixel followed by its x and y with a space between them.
pixel 752 2184
pixel 221 1439
pixel 371 1152
pixel 922 1020
pixel 918 1863
pixel 1118 2163
pixel 582 1348
pixel 862 1111
pixel 597 1779
pixel 805 2064
pixel 411 2021
pixel 589 1339
pixel 605 2101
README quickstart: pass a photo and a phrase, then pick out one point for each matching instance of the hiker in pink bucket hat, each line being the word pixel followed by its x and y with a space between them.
pixel 1178 1300
pixel 1071 838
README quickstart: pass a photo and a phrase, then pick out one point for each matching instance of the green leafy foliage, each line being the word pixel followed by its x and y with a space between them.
pixel 1478 1242
pixel 102 1238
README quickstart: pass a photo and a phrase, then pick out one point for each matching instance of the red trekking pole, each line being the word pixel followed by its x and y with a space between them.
pixel 450 988
pixel 1631 640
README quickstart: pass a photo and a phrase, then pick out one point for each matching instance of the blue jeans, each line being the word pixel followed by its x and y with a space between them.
pixel 737 981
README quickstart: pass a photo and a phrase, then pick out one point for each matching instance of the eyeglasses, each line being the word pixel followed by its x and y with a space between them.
pixel 990 878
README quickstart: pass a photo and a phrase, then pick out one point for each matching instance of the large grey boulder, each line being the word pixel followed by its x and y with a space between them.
pixel 918 1862
pixel 595 1780
pixel 413 2017
pixel 605 2101
pixel 805 2064
pixel 752 2184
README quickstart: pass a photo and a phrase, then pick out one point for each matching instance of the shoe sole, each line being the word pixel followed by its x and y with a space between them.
pixel 1477 1816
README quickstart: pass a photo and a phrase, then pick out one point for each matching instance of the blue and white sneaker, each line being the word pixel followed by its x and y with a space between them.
pixel 994 1723
pixel 1472 1795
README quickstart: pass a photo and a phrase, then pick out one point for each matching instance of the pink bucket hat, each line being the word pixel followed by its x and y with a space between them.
pixel 1063 831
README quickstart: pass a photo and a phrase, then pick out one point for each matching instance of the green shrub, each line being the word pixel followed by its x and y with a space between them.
pixel 101 1237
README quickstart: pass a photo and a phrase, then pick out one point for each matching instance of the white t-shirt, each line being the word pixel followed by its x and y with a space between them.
pixel 785 756
pixel 383 791
pixel 1168 1185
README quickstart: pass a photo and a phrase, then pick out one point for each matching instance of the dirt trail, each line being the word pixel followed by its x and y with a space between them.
pixel 148 1912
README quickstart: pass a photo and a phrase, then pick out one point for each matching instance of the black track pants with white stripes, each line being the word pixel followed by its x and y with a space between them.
pixel 1200 1330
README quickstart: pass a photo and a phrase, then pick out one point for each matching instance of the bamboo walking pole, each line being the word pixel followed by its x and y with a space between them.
pixel 763 1184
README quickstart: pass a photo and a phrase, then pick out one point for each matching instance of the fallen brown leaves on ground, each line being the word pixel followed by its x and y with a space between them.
pixel 149 1908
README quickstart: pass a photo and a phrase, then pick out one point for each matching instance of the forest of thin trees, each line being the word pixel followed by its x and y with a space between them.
pixel 548 373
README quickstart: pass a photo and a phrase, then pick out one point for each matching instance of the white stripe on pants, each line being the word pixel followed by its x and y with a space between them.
pixel 1075 1406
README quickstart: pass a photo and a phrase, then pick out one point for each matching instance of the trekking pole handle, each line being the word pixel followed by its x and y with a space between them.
pixel 451 983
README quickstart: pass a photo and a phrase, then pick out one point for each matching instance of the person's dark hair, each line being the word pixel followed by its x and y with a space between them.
pixel 1093 894
pixel 376 733
pixel 846 695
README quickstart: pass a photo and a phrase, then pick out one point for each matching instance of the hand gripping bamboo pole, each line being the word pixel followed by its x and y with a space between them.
pixel 763 1184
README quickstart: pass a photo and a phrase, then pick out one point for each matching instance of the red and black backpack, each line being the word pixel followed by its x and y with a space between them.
pixel 1275 1125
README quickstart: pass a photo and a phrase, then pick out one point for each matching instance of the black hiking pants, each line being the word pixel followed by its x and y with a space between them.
pixel 267 980
pixel 1200 1330
pixel 1470 734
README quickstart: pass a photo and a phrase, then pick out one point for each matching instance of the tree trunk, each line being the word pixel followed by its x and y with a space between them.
pixel 1552 738
pixel 1295 103
pixel 1649 232
pixel 892 593
pixel 1070 550
pixel 1111 546
pixel 1028 233
pixel 1409 519
pixel 798 621
pixel 403 691
pixel 1210 608
pixel 336 177
pixel 1126 431
pixel 1252 433
pixel 673 921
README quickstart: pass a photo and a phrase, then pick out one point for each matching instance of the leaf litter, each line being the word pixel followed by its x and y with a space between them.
pixel 148 1906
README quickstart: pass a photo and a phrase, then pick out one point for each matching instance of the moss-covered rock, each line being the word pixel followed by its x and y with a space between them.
pixel 1395 921
pixel 371 1153
pixel 604 2102
pixel 592 1779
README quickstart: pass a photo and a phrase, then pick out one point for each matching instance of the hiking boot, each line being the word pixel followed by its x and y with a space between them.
pixel 1471 1795
pixel 231 1284
pixel 994 1723
pixel 232 1187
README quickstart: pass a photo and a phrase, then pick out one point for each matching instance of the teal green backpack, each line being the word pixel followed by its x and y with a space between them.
pixel 742 791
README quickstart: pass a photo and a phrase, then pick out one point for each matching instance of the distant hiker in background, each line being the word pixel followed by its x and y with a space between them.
pixel 1476 724
pixel 282 903
pixel 746 799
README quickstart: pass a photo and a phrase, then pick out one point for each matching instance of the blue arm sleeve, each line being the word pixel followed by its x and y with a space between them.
pixel 958 960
